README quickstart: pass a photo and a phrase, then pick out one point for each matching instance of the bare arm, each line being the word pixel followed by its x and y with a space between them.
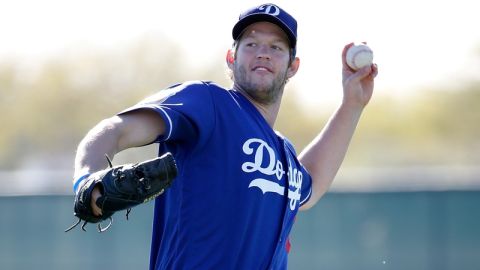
pixel 113 135
pixel 324 155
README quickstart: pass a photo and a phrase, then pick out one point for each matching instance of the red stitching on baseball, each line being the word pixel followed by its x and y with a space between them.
pixel 355 57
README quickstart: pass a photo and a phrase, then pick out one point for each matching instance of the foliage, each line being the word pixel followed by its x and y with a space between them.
pixel 46 111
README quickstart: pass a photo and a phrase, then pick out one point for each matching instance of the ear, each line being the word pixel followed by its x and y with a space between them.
pixel 230 58
pixel 293 68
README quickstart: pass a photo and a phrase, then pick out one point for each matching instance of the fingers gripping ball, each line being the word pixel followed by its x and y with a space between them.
pixel 123 187
pixel 358 56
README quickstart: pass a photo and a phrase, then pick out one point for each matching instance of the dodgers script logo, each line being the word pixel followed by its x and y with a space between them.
pixel 266 162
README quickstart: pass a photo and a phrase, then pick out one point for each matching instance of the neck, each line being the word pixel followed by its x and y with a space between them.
pixel 268 111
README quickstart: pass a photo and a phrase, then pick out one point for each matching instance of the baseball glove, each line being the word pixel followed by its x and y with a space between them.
pixel 122 188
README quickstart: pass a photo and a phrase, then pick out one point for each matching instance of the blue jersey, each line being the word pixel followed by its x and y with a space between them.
pixel 239 186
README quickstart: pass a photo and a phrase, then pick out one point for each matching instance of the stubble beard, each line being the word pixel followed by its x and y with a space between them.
pixel 265 94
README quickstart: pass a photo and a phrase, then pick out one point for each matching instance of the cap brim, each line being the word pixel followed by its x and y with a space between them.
pixel 242 24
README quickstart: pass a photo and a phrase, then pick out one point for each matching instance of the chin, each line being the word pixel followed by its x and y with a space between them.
pixel 262 84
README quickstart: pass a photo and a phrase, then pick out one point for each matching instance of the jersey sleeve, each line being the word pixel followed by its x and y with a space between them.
pixel 306 188
pixel 187 110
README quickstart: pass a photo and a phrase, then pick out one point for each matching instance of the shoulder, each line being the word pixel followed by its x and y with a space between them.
pixel 195 86
pixel 287 142
pixel 189 89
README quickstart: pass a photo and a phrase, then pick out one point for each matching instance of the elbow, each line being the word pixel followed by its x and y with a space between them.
pixel 317 193
pixel 307 206
pixel 105 132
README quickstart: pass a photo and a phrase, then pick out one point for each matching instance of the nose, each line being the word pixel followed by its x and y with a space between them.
pixel 263 52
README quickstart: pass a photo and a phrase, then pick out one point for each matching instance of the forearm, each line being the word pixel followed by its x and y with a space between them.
pixel 99 141
pixel 116 134
pixel 324 155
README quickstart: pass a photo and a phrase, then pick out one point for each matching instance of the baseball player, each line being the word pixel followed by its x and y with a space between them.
pixel 239 183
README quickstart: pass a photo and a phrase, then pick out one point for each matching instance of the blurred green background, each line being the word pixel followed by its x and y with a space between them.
pixel 407 196
pixel 47 110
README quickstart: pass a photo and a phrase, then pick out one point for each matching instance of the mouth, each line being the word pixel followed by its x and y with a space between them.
pixel 262 69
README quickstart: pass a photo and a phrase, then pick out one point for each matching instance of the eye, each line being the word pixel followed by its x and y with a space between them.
pixel 277 48
pixel 251 44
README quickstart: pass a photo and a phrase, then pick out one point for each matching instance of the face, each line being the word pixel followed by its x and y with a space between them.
pixel 261 67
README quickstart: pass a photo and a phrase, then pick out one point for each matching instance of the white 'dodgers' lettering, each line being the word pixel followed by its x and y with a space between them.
pixel 274 166
pixel 266 162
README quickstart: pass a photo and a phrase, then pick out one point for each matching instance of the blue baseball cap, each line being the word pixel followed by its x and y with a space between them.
pixel 267 13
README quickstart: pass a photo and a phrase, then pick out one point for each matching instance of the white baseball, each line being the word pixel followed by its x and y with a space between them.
pixel 358 56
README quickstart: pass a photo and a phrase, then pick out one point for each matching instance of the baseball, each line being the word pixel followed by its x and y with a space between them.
pixel 358 56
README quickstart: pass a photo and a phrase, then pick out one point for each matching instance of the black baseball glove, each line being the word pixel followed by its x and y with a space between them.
pixel 122 188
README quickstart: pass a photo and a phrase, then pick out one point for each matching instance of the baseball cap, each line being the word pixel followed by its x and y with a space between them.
pixel 267 13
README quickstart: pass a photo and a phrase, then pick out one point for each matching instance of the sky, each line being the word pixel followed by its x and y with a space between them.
pixel 417 44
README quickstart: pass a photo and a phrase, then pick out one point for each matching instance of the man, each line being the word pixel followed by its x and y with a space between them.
pixel 240 184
